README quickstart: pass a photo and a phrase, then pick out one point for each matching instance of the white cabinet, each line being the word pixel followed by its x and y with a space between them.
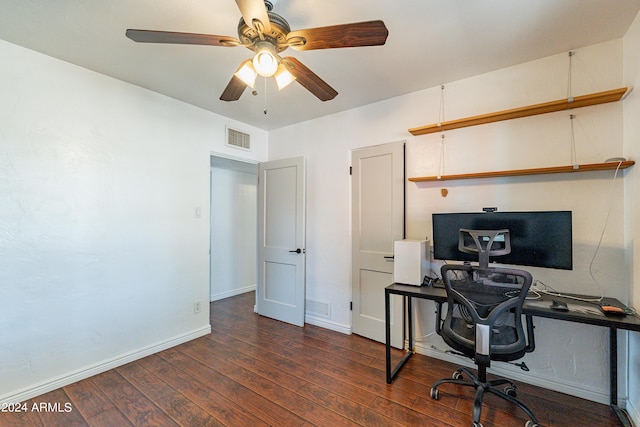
pixel 410 261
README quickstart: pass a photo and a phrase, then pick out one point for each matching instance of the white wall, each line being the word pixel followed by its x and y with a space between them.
pixel 569 357
pixel 632 205
pixel 101 256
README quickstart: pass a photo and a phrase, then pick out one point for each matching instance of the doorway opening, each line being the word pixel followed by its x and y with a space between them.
pixel 233 227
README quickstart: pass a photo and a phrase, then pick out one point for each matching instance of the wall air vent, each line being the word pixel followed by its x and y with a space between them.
pixel 238 139
pixel 318 308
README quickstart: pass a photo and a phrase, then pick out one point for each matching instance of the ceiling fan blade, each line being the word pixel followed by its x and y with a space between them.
pixel 151 36
pixel 368 33
pixel 254 13
pixel 234 89
pixel 309 79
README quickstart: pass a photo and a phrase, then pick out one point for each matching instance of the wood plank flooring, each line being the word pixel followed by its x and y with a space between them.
pixel 254 371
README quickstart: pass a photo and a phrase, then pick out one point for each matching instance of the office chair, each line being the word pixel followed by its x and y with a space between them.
pixel 484 319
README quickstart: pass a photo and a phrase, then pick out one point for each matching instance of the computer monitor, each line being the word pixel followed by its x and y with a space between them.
pixel 538 238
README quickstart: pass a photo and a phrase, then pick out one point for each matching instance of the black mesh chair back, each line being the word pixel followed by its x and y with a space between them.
pixel 485 303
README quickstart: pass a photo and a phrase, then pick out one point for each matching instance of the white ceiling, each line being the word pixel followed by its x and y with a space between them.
pixel 431 42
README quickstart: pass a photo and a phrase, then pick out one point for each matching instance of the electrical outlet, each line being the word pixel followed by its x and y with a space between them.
pixel 197 306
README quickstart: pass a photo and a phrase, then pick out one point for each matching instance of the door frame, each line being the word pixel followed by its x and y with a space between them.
pixel 224 156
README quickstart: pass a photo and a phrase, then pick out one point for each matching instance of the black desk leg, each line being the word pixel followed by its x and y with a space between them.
pixel 387 332
pixel 613 366
pixel 391 373
pixel 613 378
pixel 410 330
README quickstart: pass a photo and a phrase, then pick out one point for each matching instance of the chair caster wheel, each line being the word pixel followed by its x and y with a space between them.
pixel 435 394
pixel 510 391
pixel 457 375
pixel 476 424
pixel 530 423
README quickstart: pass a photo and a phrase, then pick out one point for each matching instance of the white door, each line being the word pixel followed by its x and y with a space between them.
pixel 377 222
pixel 281 240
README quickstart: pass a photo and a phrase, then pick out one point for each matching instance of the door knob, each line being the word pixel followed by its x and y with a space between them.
pixel 298 251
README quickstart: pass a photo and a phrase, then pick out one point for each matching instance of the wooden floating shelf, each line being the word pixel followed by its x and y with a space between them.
pixel 531 110
pixel 534 171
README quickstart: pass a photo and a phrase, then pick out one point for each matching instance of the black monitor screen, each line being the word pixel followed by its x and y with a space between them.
pixel 538 239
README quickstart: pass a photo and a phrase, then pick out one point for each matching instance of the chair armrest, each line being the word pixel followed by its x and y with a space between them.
pixel 531 341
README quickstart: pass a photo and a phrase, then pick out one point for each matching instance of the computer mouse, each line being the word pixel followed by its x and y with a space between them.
pixel 559 305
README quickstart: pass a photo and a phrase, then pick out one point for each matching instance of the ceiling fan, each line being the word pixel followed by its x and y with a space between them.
pixel 267 34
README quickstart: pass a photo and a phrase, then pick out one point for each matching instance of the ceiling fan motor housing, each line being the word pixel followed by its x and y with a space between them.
pixel 277 36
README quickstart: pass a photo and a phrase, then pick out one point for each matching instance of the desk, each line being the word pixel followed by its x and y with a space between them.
pixel 539 308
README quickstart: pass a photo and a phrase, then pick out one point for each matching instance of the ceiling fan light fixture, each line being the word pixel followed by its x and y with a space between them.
pixel 265 61
pixel 283 77
pixel 247 73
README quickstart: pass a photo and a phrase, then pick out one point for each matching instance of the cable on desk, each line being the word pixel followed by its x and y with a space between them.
pixel 548 290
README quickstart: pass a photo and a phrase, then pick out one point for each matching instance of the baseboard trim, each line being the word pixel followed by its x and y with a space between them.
pixel 324 323
pixel 55 383
pixel 231 293
pixel 634 413
pixel 578 390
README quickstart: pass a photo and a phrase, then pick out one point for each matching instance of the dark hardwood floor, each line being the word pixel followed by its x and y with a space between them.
pixel 254 371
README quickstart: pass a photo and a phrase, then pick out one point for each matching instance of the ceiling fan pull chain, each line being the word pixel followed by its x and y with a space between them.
pixel 265 95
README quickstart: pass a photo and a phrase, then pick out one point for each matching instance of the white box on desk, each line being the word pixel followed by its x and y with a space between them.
pixel 410 262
